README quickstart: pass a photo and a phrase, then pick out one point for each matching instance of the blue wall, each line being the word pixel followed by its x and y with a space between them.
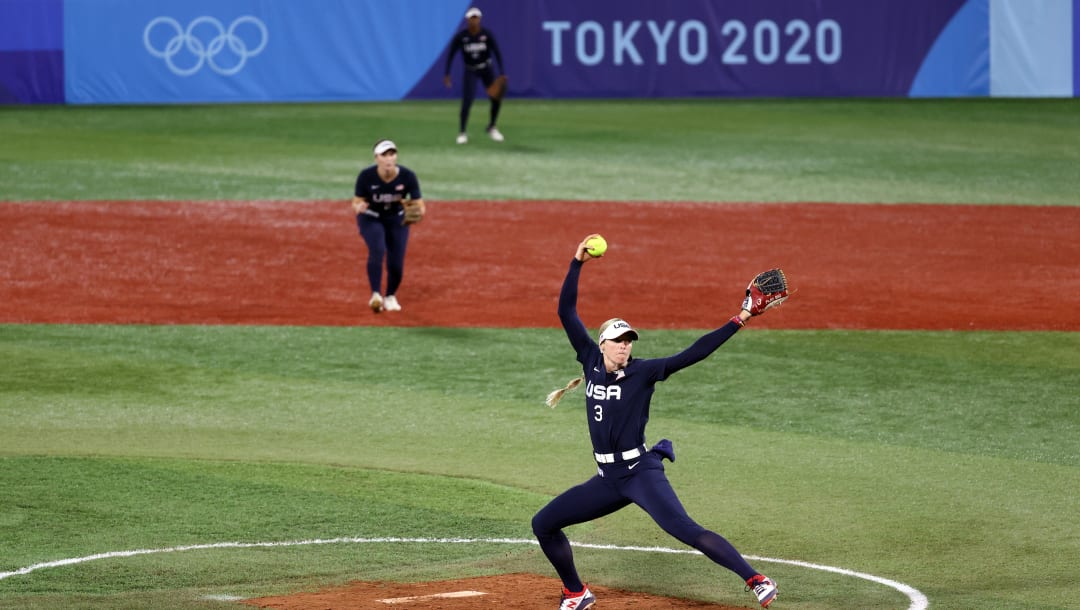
pixel 184 51
pixel 31 51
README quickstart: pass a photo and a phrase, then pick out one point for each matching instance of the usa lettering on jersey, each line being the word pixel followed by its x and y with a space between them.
pixel 603 392
pixel 476 47
pixel 386 197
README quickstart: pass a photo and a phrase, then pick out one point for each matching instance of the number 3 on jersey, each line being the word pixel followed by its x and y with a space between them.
pixel 599 409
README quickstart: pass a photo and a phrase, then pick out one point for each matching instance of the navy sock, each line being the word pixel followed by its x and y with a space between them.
pixel 557 549
pixel 717 548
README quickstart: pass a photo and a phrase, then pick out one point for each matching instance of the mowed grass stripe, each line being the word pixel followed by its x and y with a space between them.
pixel 845 150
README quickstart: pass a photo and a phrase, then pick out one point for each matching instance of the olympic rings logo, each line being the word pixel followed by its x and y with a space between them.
pixel 209 50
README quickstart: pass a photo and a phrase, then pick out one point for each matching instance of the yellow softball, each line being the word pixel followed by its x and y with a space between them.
pixel 596 246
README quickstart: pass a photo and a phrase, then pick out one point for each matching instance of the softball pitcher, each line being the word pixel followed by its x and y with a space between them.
pixel 618 391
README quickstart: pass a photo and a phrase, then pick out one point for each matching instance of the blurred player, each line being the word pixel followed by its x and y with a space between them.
pixel 382 194
pixel 478 49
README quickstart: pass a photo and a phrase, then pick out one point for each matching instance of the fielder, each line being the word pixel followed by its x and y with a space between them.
pixel 478 47
pixel 618 392
pixel 386 201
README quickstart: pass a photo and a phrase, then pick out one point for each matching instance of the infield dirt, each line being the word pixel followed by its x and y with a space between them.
pixel 500 264
pixel 507 591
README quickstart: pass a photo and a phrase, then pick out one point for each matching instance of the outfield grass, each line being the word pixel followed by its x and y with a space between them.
pixel 938 151
pixel 946 461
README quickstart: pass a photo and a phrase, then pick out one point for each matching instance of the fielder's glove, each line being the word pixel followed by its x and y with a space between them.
pixel 498 88
pixel 414 212
pixel 768 289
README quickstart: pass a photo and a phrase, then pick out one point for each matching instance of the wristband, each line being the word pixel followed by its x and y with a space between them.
pixel 736 319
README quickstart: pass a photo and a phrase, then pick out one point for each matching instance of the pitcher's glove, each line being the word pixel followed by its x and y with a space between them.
pixel 768 289
pixel 414 211
pixel 497 89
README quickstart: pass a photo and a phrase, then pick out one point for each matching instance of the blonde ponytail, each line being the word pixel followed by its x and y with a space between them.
pixel 554 397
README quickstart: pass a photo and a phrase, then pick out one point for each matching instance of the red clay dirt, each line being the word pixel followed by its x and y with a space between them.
pixel 500 264
pixel 505 592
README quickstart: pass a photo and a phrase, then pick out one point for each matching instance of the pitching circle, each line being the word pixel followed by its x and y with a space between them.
pixel 916 597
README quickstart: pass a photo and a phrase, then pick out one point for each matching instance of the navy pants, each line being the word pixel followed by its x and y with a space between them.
pixel 386 240
pixel 486 76
pixel 645 485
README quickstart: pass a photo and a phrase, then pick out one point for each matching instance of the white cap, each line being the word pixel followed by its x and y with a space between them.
pixel 384 145
pixel 616 329
pixel 473 12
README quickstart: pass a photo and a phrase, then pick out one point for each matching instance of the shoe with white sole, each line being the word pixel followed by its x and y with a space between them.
pixel 577 601
pixel 462 138
pixel 764 588
pixel 495 134
pixel 391 304
pixel 376 302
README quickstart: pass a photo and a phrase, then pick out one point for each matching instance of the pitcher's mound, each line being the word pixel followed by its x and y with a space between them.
pixel 517 591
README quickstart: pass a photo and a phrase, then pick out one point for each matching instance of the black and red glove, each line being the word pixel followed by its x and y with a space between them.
pixel 768 289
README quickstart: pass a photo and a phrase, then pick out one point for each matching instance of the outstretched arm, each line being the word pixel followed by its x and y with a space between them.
pixel 575 329
pixel 701 349
pixel 767 290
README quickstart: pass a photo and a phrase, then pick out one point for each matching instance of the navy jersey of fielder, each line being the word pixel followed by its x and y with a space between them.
pixel 617 403
pixel 477 50
pixel 384 198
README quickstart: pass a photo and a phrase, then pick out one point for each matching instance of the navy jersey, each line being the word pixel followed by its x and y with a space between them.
pixel 477 50
pixel 617 404
pixel 384 198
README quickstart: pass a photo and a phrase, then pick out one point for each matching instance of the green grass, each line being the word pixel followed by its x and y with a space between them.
pixel 939 151
pixel 791 443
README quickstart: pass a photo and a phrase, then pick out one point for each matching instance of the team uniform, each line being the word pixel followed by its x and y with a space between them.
pixel 617 408
pixel 480 52
pixel 381 225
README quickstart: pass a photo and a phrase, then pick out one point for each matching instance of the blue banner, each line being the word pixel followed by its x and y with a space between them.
pixel 1076 48
pixel 31 52
pixel 194 51
pixel 677 48
pixel 135 51
pixel 958 63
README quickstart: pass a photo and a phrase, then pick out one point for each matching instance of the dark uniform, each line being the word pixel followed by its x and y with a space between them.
pixel 381 224
pixel 617 407
pixel 478 50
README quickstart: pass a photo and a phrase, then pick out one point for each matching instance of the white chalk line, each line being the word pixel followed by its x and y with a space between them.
pixel 918 600
pixel 451 595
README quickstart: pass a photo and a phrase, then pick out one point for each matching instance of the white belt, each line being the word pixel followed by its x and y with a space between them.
pixel 611 458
